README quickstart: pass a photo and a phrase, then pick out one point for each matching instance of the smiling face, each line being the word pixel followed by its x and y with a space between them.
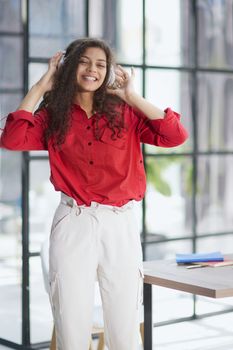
pixel 91 69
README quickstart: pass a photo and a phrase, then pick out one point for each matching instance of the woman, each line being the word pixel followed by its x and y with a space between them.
pixel 92 131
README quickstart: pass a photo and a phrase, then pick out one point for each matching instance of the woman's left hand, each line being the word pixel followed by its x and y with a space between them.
pixel 123 86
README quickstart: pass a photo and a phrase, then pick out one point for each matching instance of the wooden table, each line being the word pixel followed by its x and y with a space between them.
pixel 213 282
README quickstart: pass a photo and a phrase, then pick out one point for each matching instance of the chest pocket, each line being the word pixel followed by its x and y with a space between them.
pixel 118 143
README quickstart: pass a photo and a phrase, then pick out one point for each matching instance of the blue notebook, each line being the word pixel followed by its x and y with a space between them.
pixel 198 257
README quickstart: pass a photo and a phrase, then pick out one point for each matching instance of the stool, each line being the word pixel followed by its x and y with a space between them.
pixel 95 331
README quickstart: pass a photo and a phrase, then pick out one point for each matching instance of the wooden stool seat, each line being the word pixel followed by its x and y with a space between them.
pixel 95 331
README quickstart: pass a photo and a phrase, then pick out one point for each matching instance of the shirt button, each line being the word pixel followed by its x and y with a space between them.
pixel 88 127
pixel 140 161
pixel 91 162
pixel 89 143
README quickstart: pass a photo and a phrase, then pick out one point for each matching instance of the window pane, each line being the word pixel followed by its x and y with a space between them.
pixel 214 196
pixel 10 16
pixel 215 103
pixel 169 304
pixel 177 95
pixel 43 202
pixel 168 197
pixel 96 18
pixel 10 290
pixel 36 70
pixel 11 62
pixel 50 33
pixel 215 28
pixel 137 80
pixel 10 233
pixel 209 305
pixel 102 20
pixel 40 310
pixel 129 31
pixel 10 245
pixel 8 103
pixel 168 32
pixel 222 243
pixel 167 250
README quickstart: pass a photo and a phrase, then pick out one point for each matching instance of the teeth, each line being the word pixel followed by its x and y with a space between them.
pixel 89 78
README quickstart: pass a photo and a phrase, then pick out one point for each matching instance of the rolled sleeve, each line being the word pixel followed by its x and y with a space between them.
pixel 164 132
pixel 23 115
pixel 24 131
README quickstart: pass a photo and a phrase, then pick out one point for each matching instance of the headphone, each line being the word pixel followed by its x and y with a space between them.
pixel 63 57
pixel 111 76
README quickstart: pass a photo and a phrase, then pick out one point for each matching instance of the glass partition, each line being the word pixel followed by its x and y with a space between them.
pixel 11 84
pixel 214 199
pixel 40 310
pixel 10 16
pixel 214 33
pixel 43 201
pixel 169 32
pixel 215 102
pixel 129 32
pixel 11 75
pixel 10 244
pixel 54 24
pixel 169 193
pixel 177 94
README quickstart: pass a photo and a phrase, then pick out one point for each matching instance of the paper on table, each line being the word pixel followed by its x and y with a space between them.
pixel 210 263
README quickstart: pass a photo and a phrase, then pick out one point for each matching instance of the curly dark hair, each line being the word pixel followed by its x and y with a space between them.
pixel 59 100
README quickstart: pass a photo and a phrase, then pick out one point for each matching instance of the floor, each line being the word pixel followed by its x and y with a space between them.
pixel 215 333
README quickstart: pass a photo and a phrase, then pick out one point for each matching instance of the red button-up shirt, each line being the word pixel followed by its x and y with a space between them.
pixel 106 171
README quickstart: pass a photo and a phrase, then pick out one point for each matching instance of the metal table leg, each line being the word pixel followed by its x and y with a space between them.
pixel 148 325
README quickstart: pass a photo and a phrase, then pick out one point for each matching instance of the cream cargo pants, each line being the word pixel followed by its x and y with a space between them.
pixel 88 243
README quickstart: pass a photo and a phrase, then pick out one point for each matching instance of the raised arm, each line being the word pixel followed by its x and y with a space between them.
pixel 23 130
pixel 44 84
pixel 156 127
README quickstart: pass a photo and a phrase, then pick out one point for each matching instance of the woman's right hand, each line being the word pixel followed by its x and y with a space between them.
pixel 42 86
pixel 46 81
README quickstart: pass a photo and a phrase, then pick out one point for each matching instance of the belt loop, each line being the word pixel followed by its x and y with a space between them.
pixel 115 210
pixel 70 202
pixel 78 210
pixel 125 207
pixel 94 205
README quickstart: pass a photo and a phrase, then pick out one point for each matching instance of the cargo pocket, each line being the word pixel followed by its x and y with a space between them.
pixel 55 295
pixel 140 287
